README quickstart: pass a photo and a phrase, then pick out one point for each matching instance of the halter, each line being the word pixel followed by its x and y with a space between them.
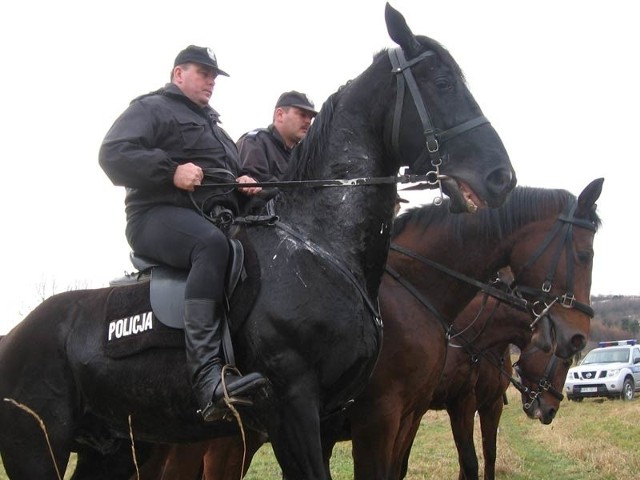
pixel 563 229
pixel 433 138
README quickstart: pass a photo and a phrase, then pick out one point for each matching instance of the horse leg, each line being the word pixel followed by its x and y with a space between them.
pixel 294 432
pixel 402 450
pixel 405 462
pixel 334 429
pixel 374 433
pixel 29 457
pixel 461 416
pixel 94 465
pixel 225 457
pixel 174 462
pixel 489 421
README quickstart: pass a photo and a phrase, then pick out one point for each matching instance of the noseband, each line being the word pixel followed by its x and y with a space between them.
pixel 563 229
pixel 544 382
pixel 401 67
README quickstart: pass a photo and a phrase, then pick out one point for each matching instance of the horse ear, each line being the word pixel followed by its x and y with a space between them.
pixel 588 197
pixel 400 32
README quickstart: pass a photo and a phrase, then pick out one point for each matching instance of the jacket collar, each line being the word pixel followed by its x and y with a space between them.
pixel 172 90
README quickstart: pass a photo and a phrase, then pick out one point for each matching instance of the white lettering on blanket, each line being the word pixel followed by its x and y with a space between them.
pixel 130 326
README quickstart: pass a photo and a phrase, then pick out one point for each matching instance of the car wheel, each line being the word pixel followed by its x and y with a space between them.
pixel 578 399
pixel 627 390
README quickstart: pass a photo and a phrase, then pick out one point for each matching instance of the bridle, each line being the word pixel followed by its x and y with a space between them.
pixel 544 299
pixel 543 302
pixel 401 68
pixel 543 383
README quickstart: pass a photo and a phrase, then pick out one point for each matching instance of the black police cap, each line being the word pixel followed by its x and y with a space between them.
pixel 201 55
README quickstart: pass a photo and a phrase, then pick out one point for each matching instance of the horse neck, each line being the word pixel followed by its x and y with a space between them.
pixel 447 294
pixel 493 326
pixel 353 223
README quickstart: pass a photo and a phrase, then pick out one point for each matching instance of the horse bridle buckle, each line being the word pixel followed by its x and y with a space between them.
pixel 432 145
pixel 567 300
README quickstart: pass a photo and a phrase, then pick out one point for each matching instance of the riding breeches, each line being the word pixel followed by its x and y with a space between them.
pixel 182 238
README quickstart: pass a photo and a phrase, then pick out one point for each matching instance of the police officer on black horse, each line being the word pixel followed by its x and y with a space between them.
pixel 160 148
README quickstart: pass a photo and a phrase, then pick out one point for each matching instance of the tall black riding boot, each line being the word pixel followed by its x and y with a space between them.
pixel 203 334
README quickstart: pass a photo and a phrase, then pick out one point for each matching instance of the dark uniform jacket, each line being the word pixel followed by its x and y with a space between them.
pixel 155 134
pixel 264 154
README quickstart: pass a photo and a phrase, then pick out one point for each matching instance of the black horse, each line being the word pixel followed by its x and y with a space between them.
pixel 306 318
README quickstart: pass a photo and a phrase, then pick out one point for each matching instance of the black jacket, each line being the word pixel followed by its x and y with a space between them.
pixel 155 134
pixel 263 154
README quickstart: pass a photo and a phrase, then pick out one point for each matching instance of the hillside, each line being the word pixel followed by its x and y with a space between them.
pixel 617 317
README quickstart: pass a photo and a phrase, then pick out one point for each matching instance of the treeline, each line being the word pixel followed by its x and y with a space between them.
pixel 617 317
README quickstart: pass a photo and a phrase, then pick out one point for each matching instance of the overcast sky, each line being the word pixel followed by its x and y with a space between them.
pixel 559 81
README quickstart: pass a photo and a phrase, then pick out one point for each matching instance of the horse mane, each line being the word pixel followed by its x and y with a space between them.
pixel 307 158
pixel 523 206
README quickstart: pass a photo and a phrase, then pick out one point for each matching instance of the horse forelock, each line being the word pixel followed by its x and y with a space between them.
pixel 523 206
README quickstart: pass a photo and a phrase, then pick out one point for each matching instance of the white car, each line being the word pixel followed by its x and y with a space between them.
pixel 612 371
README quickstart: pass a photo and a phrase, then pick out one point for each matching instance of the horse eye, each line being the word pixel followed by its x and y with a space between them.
pixel 585 256
pixel 443 83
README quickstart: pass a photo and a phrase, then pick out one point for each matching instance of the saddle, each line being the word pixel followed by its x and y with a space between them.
pixel 166 296
pixel 167 284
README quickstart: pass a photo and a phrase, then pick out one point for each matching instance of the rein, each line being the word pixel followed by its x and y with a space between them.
pixel 498 294
pixel 431 178
pixel 489 290
pixel 401 68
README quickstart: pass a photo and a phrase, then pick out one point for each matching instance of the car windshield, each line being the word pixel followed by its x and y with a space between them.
pixel 607 355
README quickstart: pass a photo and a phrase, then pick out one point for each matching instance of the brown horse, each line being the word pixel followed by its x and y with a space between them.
pixel 478 371
pixel 475 376
pixel 416 300
pixel 385 418
pixel 542 376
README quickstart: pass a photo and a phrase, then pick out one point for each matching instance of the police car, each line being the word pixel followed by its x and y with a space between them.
pixel 612 370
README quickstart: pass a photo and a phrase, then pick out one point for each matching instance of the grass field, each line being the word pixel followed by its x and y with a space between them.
pixel 592 440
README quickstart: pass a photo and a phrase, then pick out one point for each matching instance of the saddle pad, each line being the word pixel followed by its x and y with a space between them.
pixel 131 326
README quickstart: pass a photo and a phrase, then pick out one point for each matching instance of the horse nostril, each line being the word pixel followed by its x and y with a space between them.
pixel 501 181
pixel 578 342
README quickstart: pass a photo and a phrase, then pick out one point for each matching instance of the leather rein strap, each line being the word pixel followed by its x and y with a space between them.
pixel 513 300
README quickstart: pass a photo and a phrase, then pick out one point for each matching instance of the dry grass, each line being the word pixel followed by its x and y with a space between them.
pixel 592 440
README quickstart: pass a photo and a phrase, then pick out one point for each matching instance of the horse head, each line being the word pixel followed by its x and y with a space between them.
pixel 542 374
pixel 564 260
pixel 436 126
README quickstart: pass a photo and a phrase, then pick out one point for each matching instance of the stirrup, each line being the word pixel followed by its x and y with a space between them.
pixel 220 410
pixel 223 406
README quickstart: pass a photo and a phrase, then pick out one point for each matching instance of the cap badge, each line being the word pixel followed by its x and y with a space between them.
pixel 212 55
